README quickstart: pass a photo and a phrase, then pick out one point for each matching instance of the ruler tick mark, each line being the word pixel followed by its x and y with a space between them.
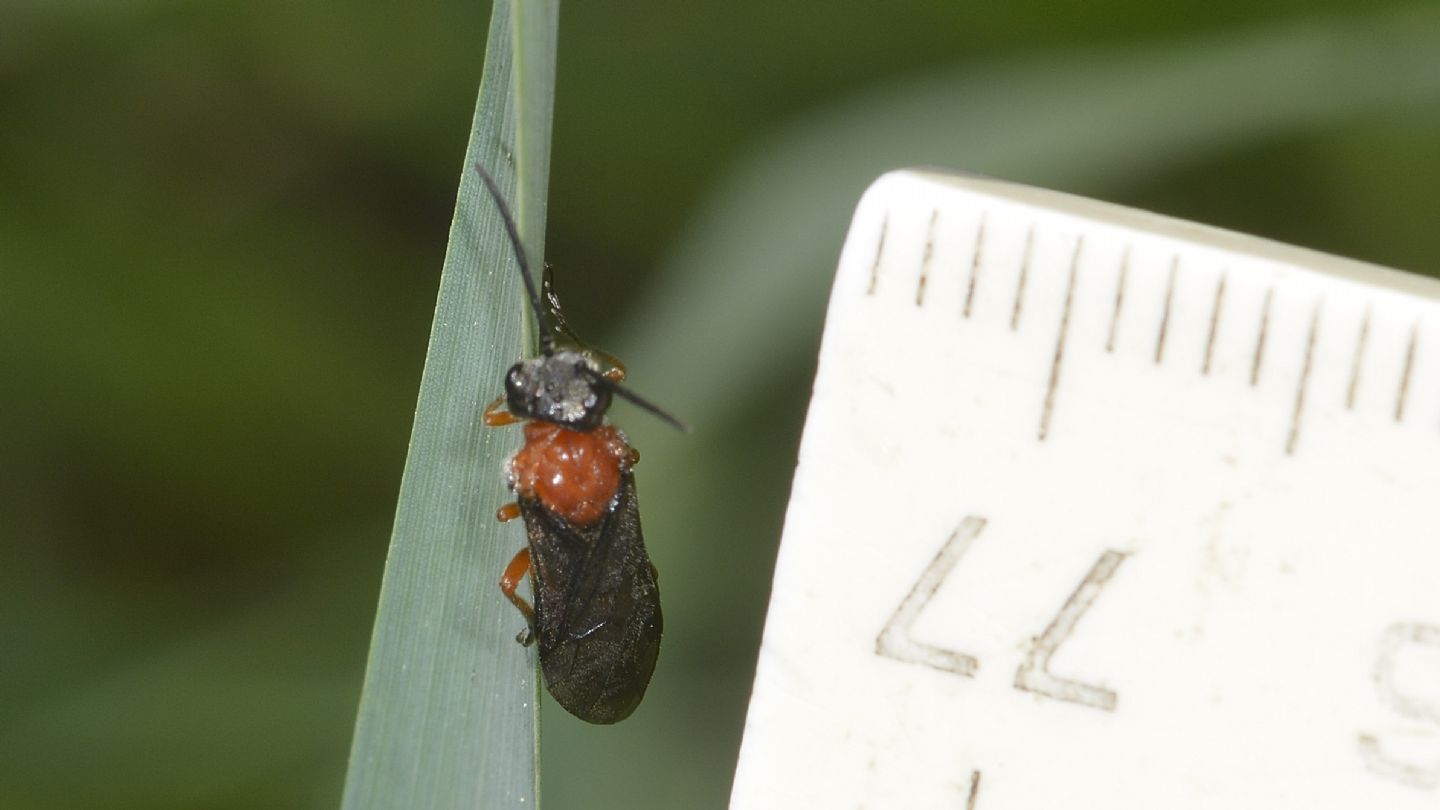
pixel 1304 380
pixel 1119 298
pixel 1165 316
pixel 974 790
pixel 1049 406
pixel 1359 359
pixel 925 262
pixel 1024 273
pixel 1260 338
pixel 1405 374
pixel 879 252
pixel 974 266
pixel 1214 325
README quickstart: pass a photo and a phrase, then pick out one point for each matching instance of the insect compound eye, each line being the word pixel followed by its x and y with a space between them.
pixel 520 391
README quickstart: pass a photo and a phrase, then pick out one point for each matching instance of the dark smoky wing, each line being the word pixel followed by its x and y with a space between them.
pixel 597 608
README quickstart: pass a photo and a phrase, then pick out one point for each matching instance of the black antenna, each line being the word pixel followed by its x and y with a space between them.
pixel 606 382
pixel 547 340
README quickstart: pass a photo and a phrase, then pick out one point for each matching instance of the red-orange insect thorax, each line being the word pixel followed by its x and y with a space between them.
pixel 574 475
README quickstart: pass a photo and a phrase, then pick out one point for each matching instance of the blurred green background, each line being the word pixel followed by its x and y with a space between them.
pixel 221 229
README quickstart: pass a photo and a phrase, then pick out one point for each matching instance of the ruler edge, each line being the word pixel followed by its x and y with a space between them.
pixel 1108 214
pixel 1155 225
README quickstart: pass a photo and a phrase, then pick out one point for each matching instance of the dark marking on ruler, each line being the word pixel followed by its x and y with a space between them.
pixel 925 262
pixel 1359 359
pixel 1412 705
pixel 1024 273
pixel 879 251
pixel 1304 380
pixel 1260 338
pixel 1119 298
pixel 1405 773
pixel 974 266
pixel 974 790
pixel 1165 316
pixel 1034 673
pixel 1060 342
pixel 1405 375
pixel 895 641
pixel 1214 325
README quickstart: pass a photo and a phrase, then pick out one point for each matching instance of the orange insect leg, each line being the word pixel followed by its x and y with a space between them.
pixel 508 512
pixel 494 417
pixel 510 580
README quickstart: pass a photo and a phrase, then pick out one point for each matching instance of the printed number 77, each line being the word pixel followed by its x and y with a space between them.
pixel 1033 674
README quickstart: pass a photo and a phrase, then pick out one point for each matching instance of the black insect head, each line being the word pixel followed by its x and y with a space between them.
pixel 561 386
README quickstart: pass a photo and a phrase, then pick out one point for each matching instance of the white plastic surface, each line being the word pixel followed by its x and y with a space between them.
pixel 1101 509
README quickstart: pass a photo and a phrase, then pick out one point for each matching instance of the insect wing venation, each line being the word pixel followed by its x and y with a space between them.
pixel 597 608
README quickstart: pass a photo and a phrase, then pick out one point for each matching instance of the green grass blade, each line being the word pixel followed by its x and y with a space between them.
pixel 448 713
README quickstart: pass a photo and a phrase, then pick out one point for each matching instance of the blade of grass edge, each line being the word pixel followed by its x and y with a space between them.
pixel 447 715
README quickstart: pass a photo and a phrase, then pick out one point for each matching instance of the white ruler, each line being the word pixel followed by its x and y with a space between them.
pixel 1096 508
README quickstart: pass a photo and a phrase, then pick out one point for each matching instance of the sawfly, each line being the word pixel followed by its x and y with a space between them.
pixel 596 616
